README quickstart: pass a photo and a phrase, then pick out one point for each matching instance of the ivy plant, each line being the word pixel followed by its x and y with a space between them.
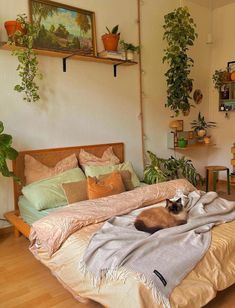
pixel 161 170
pixel 28 63
pixel 180 34
pixel 6 152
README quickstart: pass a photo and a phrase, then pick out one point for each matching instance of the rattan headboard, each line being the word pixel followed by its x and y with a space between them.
pixel 51 157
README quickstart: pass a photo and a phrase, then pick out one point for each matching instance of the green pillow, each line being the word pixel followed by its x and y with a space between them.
pixel 100 170
pixel 48 193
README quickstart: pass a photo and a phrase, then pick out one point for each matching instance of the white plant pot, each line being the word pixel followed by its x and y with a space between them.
pixel 201 133
pixel 130 55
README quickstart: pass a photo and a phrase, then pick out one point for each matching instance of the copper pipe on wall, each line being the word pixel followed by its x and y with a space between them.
pixel 141 115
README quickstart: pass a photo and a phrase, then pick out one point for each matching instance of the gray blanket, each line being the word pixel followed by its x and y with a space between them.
pixel 163 259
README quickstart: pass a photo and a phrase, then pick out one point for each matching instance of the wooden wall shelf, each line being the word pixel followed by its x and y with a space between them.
pixel 194 146
pixel 67 55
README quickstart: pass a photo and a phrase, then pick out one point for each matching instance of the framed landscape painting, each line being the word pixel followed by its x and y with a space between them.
pixel 63 28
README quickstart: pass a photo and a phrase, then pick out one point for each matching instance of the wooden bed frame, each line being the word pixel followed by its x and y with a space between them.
pixel 49 157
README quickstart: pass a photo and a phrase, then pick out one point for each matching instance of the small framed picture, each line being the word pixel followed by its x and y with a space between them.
pixel 191 134
pixel 180 127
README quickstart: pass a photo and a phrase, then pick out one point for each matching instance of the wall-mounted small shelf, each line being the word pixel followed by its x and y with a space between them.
pixel 194 146
pixel 66 55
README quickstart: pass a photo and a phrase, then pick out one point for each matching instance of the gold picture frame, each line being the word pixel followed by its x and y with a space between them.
pixel 63 28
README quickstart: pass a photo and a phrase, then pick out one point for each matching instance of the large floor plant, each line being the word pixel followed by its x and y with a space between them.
pixel 160 170
pixel 6 152
pixel 179 34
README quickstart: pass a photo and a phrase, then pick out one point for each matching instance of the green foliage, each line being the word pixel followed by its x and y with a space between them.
pixel 219 77
pixel 114 30
pixel 160 170
pixel 201 123
pixel 128 46
pixel 6 152
pixel 179 34
pixel 28 63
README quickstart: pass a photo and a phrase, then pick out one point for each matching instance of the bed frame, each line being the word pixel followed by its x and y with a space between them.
pixel 49 157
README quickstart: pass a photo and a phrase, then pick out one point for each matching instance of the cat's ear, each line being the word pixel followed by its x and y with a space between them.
pixel 178 201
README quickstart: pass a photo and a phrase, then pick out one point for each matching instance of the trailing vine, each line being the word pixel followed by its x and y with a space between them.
pixel 179 34
pixel 28 63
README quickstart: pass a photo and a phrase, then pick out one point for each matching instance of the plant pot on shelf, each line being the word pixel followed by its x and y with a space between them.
pixel 130 55
pixel 182 143
pixel 110 41
pixel 12 26
pixel 201 133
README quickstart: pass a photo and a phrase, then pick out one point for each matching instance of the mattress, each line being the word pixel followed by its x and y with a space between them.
pixel 29 214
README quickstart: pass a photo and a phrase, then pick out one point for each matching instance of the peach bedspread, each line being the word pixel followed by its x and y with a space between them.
pixel 216 271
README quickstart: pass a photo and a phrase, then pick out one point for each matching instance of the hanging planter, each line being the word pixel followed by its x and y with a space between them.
pixel 12 26
pixel 180 35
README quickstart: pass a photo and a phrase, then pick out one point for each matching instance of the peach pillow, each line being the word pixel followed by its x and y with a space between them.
pixel 88 159
pixel 35 170
pixel 111 185
pixel 75 191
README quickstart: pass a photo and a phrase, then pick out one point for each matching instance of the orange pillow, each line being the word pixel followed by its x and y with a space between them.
pixel 126 178
pixel 111 185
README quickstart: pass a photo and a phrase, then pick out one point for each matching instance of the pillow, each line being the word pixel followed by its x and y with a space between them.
pixel 49 193
pixel 100 170
pixel 126 179
pixel 75 191
pixel 111 185
pixel 35 170
pixel 88 159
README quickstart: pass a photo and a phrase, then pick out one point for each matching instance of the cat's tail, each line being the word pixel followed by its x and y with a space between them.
pixel 139 225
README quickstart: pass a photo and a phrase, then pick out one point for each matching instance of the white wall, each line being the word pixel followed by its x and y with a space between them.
pixel 86 105
pixel 223 51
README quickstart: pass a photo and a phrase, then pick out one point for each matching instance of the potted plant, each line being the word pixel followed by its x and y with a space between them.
pixel 6 152
pixel 12 26
pixel 129 50
pixel 160 170
pixel 219 78
pixel 111 39
pixel 200 125
pixel 22 42
pixel 182 143
pixel 180 35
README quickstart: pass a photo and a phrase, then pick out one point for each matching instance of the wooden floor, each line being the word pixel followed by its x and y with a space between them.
pixel 26 283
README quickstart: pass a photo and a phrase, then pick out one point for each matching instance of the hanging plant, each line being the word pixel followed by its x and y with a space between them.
pixel 179 34
pixel 28 63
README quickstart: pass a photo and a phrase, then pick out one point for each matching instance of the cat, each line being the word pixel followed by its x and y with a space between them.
pixel 155 219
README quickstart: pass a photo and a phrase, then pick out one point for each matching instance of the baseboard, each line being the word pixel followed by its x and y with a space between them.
pixel 6 230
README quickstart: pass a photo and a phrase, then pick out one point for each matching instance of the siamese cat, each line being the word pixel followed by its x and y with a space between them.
pixel 155 219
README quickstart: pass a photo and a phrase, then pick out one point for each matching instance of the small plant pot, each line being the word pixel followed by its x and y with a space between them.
pixel 182 143
pixel 130 55
pixel 207 139
pixel 12 26
pixel 110 41
pixel 201 133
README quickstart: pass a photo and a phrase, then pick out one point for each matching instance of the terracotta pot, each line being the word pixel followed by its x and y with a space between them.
pixel 110 41
pixel 12 26
pixel 201 133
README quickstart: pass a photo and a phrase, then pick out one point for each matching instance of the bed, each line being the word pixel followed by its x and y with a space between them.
pixel 215 272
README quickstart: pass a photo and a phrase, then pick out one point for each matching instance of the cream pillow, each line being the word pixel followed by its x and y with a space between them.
pixel 88 159
pixel 36 171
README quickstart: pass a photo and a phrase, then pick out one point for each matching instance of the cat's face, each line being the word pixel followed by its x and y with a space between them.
pixel 174 207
